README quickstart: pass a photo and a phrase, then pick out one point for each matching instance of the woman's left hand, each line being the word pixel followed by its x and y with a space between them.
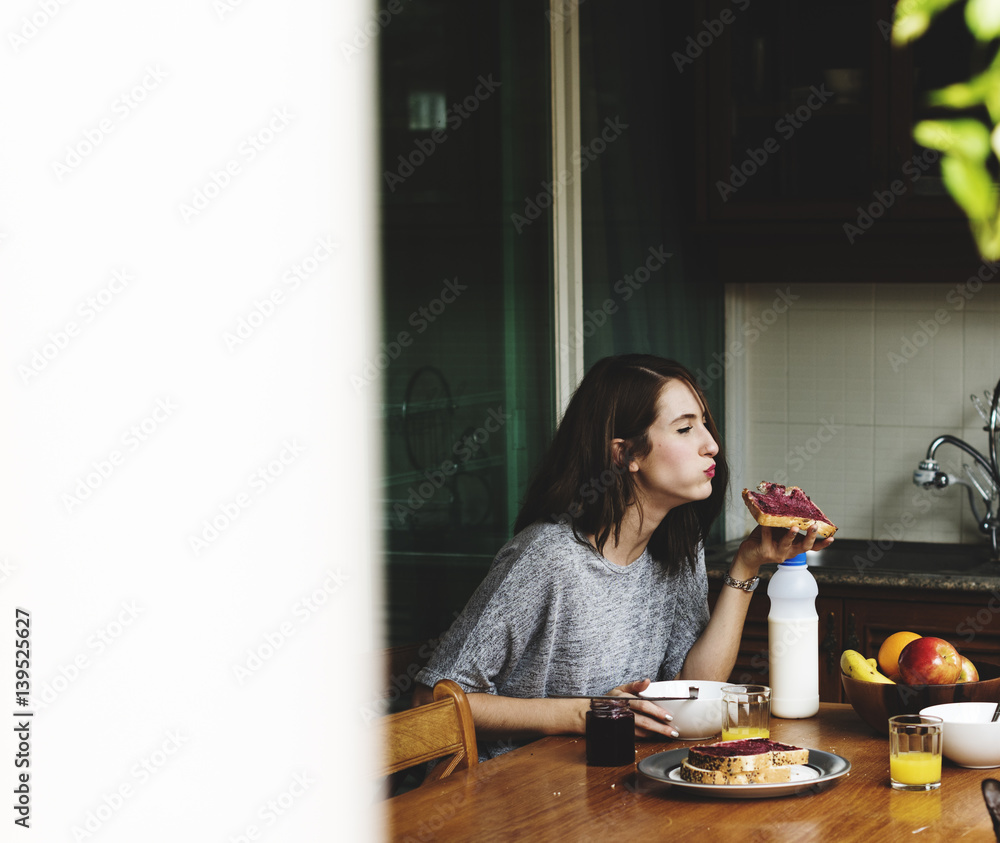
pixel 771 545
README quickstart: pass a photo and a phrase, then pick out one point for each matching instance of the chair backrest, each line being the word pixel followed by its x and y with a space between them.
pixel 440 729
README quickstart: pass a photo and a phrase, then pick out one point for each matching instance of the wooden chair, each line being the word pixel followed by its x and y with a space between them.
pixel 442 729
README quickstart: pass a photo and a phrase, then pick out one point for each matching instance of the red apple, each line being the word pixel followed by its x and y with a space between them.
pixel 929 661
pixel 969 672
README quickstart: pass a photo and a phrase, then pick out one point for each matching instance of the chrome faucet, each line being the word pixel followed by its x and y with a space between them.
pixel 981 479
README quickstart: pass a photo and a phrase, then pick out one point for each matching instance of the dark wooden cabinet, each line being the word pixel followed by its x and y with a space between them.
pixel 851 617
pixel 797 114
pixel 807 165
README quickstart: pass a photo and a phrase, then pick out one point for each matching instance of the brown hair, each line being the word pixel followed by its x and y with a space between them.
pixel 579 479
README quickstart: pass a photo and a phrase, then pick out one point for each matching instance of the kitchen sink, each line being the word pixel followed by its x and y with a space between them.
pixel 902 557
pixel 873 556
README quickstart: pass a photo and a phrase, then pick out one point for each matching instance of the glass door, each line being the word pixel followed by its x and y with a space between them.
pixel 465 367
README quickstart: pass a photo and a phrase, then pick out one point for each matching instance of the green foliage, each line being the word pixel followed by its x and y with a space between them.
pixel 983 19
pixel 913 17
pixel 967 145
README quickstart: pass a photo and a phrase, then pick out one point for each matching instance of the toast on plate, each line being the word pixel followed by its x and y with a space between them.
pixel 749 761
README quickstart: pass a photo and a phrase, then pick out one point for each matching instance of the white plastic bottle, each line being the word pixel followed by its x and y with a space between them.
pixel 793 640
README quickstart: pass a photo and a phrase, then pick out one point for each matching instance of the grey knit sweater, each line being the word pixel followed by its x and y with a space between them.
pixel 554 616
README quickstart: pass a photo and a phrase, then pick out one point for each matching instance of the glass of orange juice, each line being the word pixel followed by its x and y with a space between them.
pixel 746 712
pixel 915 751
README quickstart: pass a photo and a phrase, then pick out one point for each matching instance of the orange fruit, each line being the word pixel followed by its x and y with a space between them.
pixel 888 653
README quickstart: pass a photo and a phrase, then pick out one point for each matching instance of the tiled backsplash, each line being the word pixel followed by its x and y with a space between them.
pixel 840 388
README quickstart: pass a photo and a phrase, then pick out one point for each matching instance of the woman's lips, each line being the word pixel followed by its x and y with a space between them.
pixel 710 472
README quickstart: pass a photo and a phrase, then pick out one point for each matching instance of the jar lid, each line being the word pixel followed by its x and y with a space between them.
pixel 611 708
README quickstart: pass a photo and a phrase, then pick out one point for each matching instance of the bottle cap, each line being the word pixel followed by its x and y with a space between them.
pixel 795 561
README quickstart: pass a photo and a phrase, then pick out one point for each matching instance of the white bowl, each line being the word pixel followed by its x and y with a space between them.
pixel 694 720
pixel 969 738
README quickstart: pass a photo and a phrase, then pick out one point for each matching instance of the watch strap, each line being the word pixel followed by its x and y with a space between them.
pixel 744 585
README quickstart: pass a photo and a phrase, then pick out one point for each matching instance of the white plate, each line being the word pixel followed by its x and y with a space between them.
pixel 823 769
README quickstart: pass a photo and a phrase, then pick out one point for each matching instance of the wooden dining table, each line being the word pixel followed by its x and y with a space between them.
pixel 546 791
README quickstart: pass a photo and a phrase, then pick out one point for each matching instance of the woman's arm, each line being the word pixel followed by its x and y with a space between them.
pixel 713 655
pixel 511 718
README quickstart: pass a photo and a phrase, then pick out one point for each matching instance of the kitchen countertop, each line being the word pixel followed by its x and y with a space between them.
pixel 886 563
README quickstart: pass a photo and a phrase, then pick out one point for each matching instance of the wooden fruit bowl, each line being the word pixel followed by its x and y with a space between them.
pixel 876 702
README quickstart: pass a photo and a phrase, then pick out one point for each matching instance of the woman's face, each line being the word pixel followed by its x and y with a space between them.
pixel 680 464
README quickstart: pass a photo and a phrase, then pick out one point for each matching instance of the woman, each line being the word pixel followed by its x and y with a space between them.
pixel 603 587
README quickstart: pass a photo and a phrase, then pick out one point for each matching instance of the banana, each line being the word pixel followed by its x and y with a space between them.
pixel 855 665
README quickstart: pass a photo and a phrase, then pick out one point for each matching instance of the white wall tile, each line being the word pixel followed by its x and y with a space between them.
pixel 827 297
pixel 890 367
pixel 767 449
pixel 768 382
pixel 988 297
pixel 763 300
pixel 924 298
pixel 981 359
pixel 898 503
pixel 805 365
pixel 918 369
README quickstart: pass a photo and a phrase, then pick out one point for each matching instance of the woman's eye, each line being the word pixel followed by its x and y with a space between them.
pixel 685 429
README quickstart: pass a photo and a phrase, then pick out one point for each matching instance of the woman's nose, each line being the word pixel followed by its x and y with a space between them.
pixel 711 447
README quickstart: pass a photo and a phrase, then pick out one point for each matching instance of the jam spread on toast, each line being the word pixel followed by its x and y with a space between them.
pixel 775 499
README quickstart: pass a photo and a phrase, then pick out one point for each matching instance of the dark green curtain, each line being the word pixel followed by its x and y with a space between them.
pixel 465 366
pixel 638 159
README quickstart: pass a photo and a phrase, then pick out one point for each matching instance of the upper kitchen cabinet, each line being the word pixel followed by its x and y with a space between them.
pixel 807 165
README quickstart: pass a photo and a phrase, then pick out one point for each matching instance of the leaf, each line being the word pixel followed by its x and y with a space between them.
pixel 987 240
pixel 967 139
pixel 995 141
pixel 912 17
pixel 965 143
pixel 983 18
pixel 959 95
pixel 971 186
pixel 982 89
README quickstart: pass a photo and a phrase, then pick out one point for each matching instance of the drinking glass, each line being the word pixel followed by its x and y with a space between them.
pixel 915 751
pixel 746 712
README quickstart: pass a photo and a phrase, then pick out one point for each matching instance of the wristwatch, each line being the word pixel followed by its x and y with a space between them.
pixel 744 585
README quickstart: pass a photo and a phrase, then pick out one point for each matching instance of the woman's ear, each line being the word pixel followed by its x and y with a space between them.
pixel 620 454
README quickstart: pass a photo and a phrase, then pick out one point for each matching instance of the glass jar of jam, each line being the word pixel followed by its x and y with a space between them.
pixel 610 733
